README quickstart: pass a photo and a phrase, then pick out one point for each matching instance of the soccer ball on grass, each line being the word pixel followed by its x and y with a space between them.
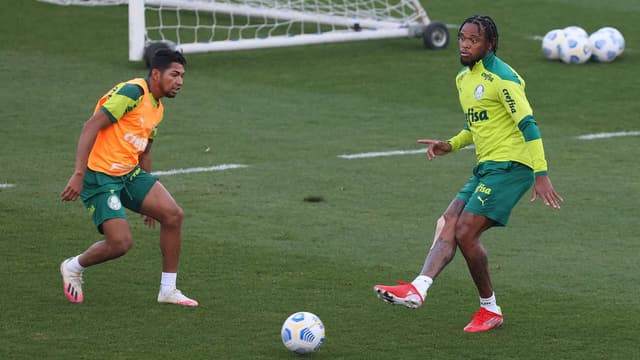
pixel 616 37
pixel 575 30
pixel 604 47
pixel 575 48
pixel 551 44
pixel 302 332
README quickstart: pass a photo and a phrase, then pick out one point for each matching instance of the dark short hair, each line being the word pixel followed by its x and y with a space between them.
pixel 487 24
pixel 164 57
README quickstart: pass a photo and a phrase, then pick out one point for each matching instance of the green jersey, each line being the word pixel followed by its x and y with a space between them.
pixel 499 119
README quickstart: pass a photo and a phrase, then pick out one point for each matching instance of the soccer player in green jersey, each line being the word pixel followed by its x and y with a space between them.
pixel 508 146
pixel 113 173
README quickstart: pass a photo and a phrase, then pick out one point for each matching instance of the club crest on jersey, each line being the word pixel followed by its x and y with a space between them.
pixel 114 203
pixel 478 93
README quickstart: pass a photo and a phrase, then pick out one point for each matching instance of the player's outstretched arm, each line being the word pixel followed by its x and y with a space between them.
pixel 436 147
pixel 544 189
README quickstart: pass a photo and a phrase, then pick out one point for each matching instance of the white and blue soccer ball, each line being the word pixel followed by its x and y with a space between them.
pixel 302 332
pixel 604 47
pixel 576 31
pixel 551 44
pixel 575 48
pixel 616 37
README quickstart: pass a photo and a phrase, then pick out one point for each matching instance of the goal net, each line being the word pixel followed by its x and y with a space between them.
pixel 219 25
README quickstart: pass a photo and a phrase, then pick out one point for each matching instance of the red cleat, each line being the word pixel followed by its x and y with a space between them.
pixel 403 294
pixel 484 320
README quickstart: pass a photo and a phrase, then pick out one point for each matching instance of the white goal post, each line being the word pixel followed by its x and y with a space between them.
pixel 193 26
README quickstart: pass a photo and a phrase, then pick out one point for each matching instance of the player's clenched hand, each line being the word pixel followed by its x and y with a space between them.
pixel 436 147
pixel 73 188
pixel 544 189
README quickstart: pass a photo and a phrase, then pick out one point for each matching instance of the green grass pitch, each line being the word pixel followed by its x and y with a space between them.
pixel 254 251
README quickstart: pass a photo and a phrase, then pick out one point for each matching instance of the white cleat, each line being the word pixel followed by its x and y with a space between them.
pixel 175 296
pixel 72 283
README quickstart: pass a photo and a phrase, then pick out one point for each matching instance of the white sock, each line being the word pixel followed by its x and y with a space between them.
pixel 422 283
pixel 74 265
pixel 490 304
pixel 168 281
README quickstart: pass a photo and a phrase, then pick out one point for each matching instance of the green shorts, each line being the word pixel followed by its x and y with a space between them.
pixel 495 188
pixel 107 196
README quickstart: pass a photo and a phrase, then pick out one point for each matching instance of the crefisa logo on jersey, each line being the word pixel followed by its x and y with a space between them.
pixel 478 93
pixel 509 100
pixel 474 116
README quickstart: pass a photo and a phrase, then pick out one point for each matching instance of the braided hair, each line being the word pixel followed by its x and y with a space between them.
pixel 486 24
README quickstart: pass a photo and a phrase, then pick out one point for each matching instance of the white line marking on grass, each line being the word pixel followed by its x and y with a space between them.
pixel 381 153
pixel 387 153
pixel 200 169
pixel 607 135
pixel 6 186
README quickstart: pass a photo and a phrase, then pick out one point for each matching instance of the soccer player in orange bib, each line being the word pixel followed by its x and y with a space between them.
pixel 510 154
pixel 113 172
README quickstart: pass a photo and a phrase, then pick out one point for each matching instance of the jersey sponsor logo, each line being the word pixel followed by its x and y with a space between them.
pixel 474 116
pixel 113 91
pixel 509 100
pixel 478 93
pixel 113 202
pixel 138 143
pixel 486 76
pixel 121 168
pixel 481 188
pixel 130 108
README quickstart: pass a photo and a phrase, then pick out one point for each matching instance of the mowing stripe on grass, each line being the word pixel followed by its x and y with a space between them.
pixel 199 169
pixel 607 135
pixel 388 153
pixel 6 186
